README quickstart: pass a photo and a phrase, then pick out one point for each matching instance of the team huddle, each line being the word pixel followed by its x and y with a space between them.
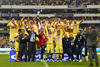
pixel 53 36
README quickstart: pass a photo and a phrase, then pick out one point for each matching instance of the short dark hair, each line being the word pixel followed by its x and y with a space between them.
pixel 92 26
pixel 19 30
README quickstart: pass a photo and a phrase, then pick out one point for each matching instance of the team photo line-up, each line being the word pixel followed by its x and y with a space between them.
pixel 53 36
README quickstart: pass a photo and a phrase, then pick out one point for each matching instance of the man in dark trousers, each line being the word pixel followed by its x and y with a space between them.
pixel 92 44
pixel 79 44
pixel 31 43
pixel 72 47
pixel 67 46
pixel 23 44
pixel 85 46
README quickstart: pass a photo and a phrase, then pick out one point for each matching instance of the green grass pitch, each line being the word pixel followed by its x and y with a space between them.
pixel 4 62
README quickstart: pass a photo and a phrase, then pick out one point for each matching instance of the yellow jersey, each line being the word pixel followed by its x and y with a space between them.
pixel 50 38
pixel 13 30
pixel 23 27
pixel 76 27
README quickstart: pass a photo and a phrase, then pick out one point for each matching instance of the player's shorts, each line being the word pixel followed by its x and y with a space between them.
pixel 17 46
pixel 37 39
pixel 74 35
pixel 59 49
pixel 12 37
pixel 49 48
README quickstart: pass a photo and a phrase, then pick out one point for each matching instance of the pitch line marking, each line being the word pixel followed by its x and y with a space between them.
pixel 46 65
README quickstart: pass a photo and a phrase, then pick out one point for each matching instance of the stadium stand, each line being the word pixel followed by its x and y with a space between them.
pixel 50 2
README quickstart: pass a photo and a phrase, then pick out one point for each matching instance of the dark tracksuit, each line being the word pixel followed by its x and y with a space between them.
pixel 22 46
pixel 85 44
pixel 79 44
pixel 31 44
pixel 71 41
pixel 67 47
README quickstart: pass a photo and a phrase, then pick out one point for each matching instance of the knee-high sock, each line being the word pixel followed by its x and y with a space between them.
pixel 16 55
pixel 12 45
pixel 75 57
pixel 57 56
pixel 47 55
pixel 81 56
pixel 60 55
pixel 52 55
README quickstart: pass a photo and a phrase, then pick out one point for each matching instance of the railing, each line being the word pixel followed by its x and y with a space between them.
pixel 49 15
pixel 47 7
pixel 86 21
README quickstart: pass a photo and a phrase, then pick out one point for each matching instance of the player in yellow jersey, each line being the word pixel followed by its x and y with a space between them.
pixel 50 45
pixel 24 24
pixel 17 43
pixel 65 21
pixel 58 24
pixel 59 46
pixel 13 29
pixel 33 24
pixel 76 24
pixel 70 27
pixel 44 25
pixel 66 26
pixel 50 24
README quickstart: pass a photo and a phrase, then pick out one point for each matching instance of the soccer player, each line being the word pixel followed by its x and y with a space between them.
pixel 13 29
pixel 24 23
pixel 50 45
pixel 58 25
pixel 42 42
pixel 70 27
pixel 44 25
pixel 17 44
pixel 50 26
pixel 59 46
pixel 76 25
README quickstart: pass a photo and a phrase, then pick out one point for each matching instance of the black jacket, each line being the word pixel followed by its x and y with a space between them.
pixel 22 39
pixel 66 43
pixel 80 40
pixel 30 34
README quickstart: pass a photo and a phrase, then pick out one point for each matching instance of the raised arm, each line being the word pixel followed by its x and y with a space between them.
pixel 27 29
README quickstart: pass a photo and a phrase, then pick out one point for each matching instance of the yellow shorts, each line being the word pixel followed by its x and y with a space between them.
pixel 74 35
pixel 11 37
pixel 17 46
pixel 59 49
pixel 37 39
pixel 49 48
